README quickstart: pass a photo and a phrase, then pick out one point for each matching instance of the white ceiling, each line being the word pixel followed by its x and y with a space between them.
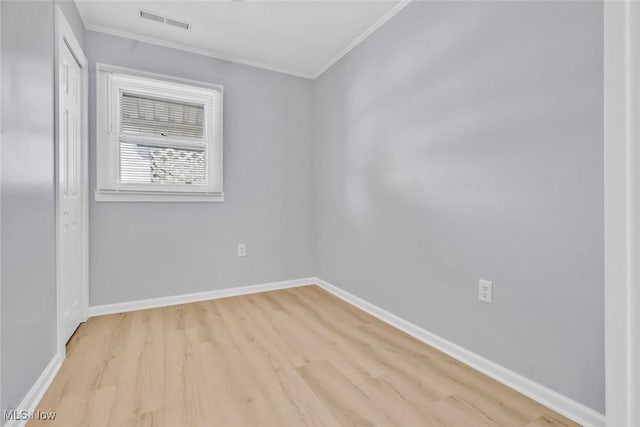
pixel 299 37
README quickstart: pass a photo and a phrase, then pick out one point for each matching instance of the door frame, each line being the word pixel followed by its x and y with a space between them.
pixel 622 211
pixel 64 36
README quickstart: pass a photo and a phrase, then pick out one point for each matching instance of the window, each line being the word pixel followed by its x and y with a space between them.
pixel 159 138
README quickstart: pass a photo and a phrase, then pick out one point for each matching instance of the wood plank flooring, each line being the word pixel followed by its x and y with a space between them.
pixel 295 357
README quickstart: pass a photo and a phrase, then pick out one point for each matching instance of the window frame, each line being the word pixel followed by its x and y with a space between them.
pixel 109 136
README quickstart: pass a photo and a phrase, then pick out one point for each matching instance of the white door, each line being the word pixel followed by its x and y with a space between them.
pixel 69 187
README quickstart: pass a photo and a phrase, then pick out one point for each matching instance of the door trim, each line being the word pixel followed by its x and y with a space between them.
pixel 622 211
pixel 64 36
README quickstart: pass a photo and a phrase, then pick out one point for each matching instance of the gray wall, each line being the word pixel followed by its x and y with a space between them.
pixel 27 194
pixel 28 228
pixel 464 140
pixel 146 250
pixel 72 15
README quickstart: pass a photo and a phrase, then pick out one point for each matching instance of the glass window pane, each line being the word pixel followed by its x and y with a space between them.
pixel 154 164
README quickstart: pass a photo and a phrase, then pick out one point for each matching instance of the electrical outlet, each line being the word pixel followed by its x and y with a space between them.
pixel 242 249
pixel 485 291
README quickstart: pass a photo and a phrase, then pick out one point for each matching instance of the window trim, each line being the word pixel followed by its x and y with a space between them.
pixel 108 189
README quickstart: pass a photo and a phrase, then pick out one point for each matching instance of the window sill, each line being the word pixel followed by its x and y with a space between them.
pixel 140 196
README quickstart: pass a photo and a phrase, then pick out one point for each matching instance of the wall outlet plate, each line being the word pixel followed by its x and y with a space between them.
pixel 242 249
pixel 485 291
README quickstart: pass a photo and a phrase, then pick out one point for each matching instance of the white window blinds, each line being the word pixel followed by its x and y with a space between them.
pixel 161 136
pixel 144 114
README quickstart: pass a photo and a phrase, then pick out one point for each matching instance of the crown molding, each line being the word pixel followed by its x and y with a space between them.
pixel 239 60
pixel 196 50
pixel 366 33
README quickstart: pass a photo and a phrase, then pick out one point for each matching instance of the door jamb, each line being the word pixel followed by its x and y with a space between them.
pixel 622 211
pixel 64 35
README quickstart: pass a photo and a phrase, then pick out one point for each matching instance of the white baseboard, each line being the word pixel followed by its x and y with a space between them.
pixel 122 307
pixel 35 394
pixel 549 398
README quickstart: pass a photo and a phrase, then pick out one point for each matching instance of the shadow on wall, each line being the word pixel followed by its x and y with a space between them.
pixel 471 127
pixel 463 140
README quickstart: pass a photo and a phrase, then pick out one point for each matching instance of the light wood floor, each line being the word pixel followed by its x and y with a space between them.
pixel 296 357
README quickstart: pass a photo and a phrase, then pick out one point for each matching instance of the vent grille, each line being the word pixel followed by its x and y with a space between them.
pixel 176 23
pixel 151 16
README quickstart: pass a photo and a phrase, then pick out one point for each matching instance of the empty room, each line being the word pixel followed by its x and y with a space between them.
pixel 242 213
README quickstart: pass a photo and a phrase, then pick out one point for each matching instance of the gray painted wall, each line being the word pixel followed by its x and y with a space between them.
pixel 27 194
pixel 464 140
pixel 147 250
pixel 72 15
pixel 28 228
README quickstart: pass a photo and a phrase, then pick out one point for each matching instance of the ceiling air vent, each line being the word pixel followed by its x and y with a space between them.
pixel 151 16
pixel 176 23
